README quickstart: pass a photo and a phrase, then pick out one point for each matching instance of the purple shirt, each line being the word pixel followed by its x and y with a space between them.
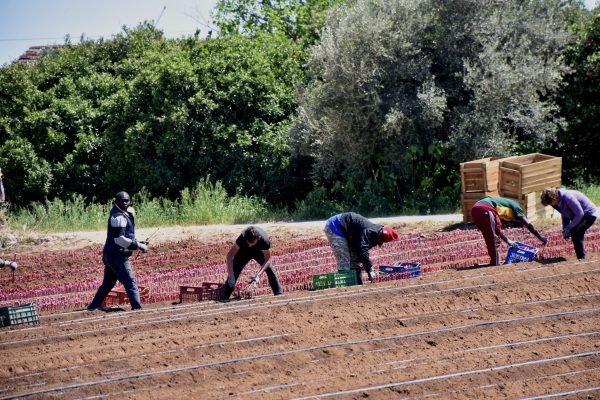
pixel 573 205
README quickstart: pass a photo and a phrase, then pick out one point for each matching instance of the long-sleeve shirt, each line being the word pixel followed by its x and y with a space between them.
pixel 360 233
pixel 573 205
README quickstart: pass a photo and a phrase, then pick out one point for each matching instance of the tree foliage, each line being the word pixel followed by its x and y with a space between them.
pixel 140 111
pixel 579 100
pixel 405 89
pixel 375 116
pixel 299 20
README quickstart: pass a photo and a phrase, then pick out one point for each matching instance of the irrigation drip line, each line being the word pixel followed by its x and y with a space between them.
pixel 563 394
pixel 334 345
pixel 447 376
pixel 546 377
pixel 499 346
pixel 249 340
pixel 277 303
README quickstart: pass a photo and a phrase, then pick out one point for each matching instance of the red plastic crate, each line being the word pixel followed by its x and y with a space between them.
pixel 118 296
pixel 208 291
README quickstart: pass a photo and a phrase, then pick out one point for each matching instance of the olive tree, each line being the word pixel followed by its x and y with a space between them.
pixel 405 88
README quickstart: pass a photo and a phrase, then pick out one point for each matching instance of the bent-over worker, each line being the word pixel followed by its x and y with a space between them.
pixel 252 244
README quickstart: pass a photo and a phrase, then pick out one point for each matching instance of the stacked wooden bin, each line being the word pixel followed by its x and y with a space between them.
pixel 520 177
pixel 479 178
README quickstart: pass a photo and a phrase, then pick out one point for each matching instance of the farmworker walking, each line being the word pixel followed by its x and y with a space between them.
pixel 487 214
pixel 577 211
pixel 252 244
pixel 119 246
pixel 351 236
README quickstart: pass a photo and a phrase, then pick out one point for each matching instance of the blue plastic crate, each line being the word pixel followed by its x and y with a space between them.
pixel 523 253
pixel 413 269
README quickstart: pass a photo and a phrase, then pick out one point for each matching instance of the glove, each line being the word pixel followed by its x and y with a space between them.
pixel 231 281
pixel 13 265
pixel 142 246
pixel 544 240
pixel 566 233
pixel 254 280
pixel 512 244
pixel 371 275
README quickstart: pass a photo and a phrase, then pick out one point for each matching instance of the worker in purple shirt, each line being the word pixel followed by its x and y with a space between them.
pixel 577 211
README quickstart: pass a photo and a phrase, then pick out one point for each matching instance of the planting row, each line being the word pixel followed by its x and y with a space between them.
pixel 67 280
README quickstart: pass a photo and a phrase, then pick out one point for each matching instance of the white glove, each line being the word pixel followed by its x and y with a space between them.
pixel 512 244
pixel 255 280
pixel 371 274
pixel 13 265
pixel 231 281
pixel 142 246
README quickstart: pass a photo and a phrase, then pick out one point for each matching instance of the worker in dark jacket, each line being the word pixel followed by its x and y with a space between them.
pixel 252 244
pixel 487 214
pixel 119 246
pixel 351 236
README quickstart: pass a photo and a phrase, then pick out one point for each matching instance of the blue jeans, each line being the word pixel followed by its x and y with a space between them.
pixel 117 267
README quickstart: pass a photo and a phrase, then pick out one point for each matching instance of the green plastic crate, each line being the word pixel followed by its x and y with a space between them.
pixel 334 279
pixel 25 314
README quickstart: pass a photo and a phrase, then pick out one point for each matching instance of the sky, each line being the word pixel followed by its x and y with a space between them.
pixel 25 23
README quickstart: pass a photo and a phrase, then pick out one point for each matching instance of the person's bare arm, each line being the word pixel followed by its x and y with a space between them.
pixel 265 265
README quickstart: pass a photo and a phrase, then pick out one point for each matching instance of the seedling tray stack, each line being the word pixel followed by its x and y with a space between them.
pixel 208 291
pixel 25 314
pixel 334 279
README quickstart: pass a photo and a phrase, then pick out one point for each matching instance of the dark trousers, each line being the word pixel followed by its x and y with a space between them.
pixel 117 267
pixel 241 259
pixel 485 219
pixel 578 232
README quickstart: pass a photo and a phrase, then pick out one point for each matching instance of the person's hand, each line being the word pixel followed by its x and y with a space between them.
pixel 512 244
pixel 231 281
pixel 13 265
pixel 371 275
pixel 254 280
pixel 143 246
pixel 566 233
pixel 544 240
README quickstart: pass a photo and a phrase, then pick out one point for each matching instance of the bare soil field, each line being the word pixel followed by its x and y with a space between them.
pixel 522 331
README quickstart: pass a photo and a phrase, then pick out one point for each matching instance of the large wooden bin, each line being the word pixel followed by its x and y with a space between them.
pixel 530 173
pixel 479 175
pixel 478 178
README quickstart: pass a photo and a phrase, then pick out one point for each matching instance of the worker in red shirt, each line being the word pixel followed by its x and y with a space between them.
pixel 487 214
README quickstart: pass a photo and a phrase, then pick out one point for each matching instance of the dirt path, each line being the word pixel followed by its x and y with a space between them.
pixel 218 233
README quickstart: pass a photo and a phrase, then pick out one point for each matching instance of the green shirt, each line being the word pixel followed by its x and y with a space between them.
pixel 496 202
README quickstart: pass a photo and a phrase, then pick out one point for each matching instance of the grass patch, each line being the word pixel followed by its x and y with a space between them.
pixel 206 204
pixel 592 192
